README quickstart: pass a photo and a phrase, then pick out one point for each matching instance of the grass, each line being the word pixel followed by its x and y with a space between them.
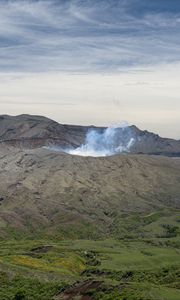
pixel 20 287
pixel 136 269
pixel 145 225
pixel 139 262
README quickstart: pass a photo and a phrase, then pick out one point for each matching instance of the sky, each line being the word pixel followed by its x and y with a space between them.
pixel 92 61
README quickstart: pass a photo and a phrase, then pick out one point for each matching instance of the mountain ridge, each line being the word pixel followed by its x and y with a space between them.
pixel 31 131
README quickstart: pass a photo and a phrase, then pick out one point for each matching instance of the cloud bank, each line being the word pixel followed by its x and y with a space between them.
pixel 148 99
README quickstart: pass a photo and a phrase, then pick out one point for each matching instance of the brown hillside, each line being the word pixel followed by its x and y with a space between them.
pixel 43 190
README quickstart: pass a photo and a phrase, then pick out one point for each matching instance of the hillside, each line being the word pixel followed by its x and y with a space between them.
pixel 47 192
pixel 37 131
pixel 87 228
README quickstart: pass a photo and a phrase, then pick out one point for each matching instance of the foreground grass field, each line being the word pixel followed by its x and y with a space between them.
pixel 83 269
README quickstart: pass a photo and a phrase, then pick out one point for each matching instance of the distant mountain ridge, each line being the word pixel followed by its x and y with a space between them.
pixel 30 131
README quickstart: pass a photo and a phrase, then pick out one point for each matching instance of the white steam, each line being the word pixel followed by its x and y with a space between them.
pixel 106 142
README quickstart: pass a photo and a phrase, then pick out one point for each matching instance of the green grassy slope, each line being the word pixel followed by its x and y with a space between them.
pixel 128 269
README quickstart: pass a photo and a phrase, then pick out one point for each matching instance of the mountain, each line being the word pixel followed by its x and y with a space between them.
pixel 47 192
pixel 74 227
pixel 36 131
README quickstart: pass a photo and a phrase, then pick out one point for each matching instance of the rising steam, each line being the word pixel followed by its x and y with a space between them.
pixel 106 142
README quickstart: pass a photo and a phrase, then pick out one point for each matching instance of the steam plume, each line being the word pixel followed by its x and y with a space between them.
pixel 107 142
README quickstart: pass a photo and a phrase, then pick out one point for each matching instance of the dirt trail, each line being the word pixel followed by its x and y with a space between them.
pixel 81 290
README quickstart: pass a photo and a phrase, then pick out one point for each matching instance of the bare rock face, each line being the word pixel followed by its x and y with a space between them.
pixel 150 143
pixel 36 131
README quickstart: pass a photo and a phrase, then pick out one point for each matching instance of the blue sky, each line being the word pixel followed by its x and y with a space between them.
pixel 133 44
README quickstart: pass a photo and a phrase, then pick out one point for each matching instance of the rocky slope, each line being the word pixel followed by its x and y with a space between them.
pixel 55 193
pixel 36 131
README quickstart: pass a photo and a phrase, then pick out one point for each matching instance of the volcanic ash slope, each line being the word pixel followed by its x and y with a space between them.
pixel 54 193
